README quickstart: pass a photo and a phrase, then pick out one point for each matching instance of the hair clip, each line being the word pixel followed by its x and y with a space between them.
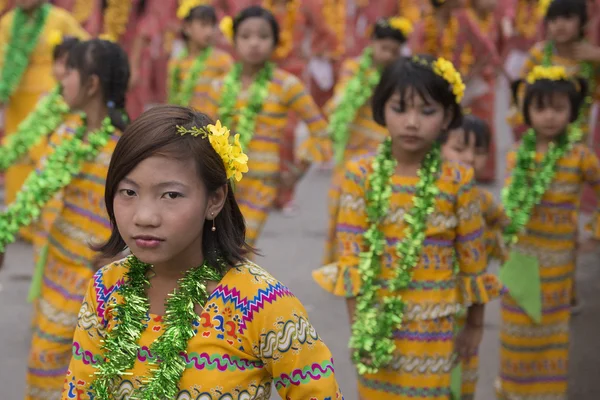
pixel 110 104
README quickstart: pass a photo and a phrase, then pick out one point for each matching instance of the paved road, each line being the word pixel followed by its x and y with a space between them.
pixel 292 248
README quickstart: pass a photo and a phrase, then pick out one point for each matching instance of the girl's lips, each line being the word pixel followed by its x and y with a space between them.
pixel 147 243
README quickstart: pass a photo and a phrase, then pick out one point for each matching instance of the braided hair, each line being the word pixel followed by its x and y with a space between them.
pixel 109 62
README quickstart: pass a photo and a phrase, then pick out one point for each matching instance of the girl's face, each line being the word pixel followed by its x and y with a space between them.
pixel 72 92
pixel 59 68
pixel 254 40
pixel 160 208
pixel 564 29
pixel 385 51
pixel 550 117
pixel 28 5
pixel 414 123
pixel 200 32
pixel 461 148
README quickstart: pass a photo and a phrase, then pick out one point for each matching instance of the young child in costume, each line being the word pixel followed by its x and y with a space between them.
pixel 188 296
pixel 464 36
pixel 192 72
pixel 351 123
pixel 410 235
pixel 95 84
pixel 254 99
pixel 470 145
pixel 547 171
pixel 25 35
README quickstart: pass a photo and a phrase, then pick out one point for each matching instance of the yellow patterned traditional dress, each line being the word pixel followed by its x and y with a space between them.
pixel 424 354
pixel 37 81
pixel 82 221
pixel 534 357
pixel 216 66
pixel 253 336
pixel 364 137
pixel 258 190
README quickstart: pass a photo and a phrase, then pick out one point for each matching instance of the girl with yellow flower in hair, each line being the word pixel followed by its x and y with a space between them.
pixel 351 124
pixel 254 99
pixel 410 240
pixel 192 72
pixel 188 296
pixel 547 171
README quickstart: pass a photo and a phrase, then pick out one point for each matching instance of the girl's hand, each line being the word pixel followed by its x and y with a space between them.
pixel 468 341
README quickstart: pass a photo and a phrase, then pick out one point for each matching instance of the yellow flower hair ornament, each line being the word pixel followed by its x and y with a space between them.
pixel 542 7
pixel 55 38
pixel 108 37
pixel 551 73
pixel 226 27
pixel 401 24
pixel 234 159
pixel 446 70
pixel 185 6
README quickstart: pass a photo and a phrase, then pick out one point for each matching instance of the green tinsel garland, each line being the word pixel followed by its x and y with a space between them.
pixel 121 344
pixel 372 340
pixel 257 94
pixel 529 182
pixel 59 169
pixel 47 116
pixel 24 37
pixel 181 93
pixel 356 93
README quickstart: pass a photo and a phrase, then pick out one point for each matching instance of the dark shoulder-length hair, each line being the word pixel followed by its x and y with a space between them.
pixel 257 12
pixel 155 133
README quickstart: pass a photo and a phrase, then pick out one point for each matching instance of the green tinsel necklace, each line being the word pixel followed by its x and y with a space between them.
pixel 121 344
pixel 372 341
pixel 181 92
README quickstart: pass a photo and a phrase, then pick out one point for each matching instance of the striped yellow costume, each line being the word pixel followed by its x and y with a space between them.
pixel 216 66
pixel 82 221
pixel 364 137
pixel 424 354
pixel 534 357
pixel 37 81
pixel 258 190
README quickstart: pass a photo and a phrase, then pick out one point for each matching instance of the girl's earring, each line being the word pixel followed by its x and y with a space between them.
pixel 214 228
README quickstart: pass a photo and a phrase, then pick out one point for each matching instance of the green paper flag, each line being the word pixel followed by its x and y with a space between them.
pixel 38 274
pixel 521 275
pixel 456 382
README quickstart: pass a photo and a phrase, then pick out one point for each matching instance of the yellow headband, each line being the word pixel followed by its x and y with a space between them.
pixel 543 6
pixel 186 6
pixel 234 159
pixel 401 24
pixel 446 70
pixel 551 73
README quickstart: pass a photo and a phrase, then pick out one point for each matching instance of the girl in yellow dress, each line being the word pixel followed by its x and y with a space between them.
pixel 221 326
pixel 410 234
pixel 470 144
pixel 547 172
pixel 25 36
pixel 192 72
pixel 254 99
pixel 351 121
pixel 95 84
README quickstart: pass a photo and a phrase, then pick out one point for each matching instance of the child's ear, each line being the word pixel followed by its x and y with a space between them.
pixel 216 201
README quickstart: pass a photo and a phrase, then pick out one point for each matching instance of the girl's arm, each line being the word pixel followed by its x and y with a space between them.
pixel 591 175
pixel 472 263
pixel 348 70
pixel 317 148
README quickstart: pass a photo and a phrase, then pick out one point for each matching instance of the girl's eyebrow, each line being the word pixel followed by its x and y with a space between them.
pixel 129 182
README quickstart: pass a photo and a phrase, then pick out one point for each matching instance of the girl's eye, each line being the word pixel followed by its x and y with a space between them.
pixel 127 192
pixel 172 195
pixel 398 108
pixel 428 111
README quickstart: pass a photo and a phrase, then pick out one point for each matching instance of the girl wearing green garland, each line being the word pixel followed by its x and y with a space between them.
pixel 351 124
pixel 410 234
pixel 547 170
pixel 26 70
pixel 254 99
pixel 221 326
pixel 95 84
pixel 192 72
